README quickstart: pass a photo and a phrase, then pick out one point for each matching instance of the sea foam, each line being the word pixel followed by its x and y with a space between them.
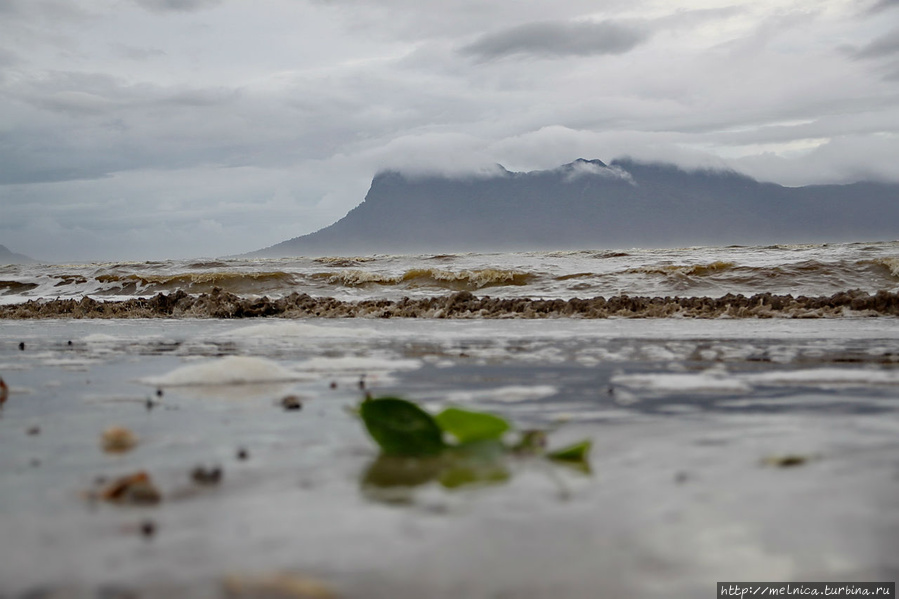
pixel 230 370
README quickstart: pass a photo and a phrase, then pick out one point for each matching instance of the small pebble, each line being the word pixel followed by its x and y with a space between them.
pixel 134 489
pixel 333 384
pixel 118 439
pixel 242 454
pixel 291 402
pixel 159 393
pixel 148 528
pixel 206 476
pixel 22 345
pixel 69 343
pixel 34 430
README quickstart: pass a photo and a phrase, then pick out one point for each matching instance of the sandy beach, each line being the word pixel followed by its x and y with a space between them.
pixel 722 450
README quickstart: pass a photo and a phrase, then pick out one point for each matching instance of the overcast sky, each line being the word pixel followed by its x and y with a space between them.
pixel 148 129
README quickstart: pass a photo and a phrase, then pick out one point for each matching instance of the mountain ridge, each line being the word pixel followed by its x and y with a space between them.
pixel 588 203
pixel 7 256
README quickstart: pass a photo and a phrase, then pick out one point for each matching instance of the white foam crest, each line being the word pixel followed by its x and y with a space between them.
pixel 230 370
pixel 710 381
pixel 508 394
pixel 356 364
pixel 720 381
pixel 892 264
pixel 827 377
pixel 100 338
pixel 289 330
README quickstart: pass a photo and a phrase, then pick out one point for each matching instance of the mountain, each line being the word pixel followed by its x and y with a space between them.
pixel 8 257
pixel 589 204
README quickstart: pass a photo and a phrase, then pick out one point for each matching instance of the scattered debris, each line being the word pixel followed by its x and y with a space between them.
pixel 133 489
pixel 118 439
pixel 206 476
pixel 277 586
pixel 291 402
pixel 362 382
pixel 34 430
pixel 150 404
pixel 148 528
pixel 786 461
pixel 532 442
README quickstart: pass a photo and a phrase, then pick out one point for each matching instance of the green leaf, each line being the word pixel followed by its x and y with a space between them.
pixel 573 453
pixel 401 428
pixel 467 426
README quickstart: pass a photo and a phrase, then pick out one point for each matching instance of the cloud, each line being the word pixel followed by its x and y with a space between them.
pixel 136 53
pixel 882 5
pixel 847 158
pixel 553 39
pixel 884 45
pixel 582 168
pixel 177 5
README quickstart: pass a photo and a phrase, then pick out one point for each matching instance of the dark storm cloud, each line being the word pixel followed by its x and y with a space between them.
pixel 884 45
pixel 176 5
pixel 550 39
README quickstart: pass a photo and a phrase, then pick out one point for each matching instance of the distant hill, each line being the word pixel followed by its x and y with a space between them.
pixel 589 204
pixel 8 257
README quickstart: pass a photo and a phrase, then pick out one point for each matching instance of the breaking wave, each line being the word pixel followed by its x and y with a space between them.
pixel 220 304
pixel 465 280
pixel 891 264
pixel 694 270
pixel 198 282
pixel 798 270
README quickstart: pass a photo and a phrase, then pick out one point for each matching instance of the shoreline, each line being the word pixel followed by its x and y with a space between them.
pixel 461 305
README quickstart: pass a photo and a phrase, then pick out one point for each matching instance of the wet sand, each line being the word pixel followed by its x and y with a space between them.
pixel 732 450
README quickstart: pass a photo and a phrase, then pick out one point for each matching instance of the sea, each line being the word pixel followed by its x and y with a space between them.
pixel 742 405
pixel 798 270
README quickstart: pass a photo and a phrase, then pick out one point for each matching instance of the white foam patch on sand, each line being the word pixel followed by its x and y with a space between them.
pixel 100 338
pixel 509 394
pixel 712 381
pixel 720 381
pixel 358 365
pixel 289 330
pixel 225 371
pixel 827 377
